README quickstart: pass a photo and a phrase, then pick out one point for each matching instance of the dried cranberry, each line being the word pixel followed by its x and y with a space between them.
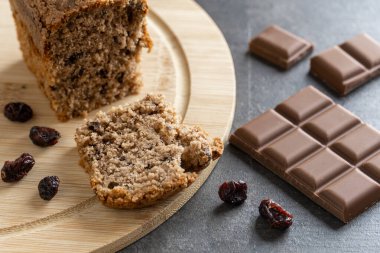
pixel 48 187
pixel 275 214
pixel 44 136
pixel 18 111
pixel 233 192
pixel 112 185
pixel 14 171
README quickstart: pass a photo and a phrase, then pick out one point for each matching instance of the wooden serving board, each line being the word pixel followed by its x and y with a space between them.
pixel 190 64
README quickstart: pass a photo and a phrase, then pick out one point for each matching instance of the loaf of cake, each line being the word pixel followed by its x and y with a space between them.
pixel 84 53
pixel 140 153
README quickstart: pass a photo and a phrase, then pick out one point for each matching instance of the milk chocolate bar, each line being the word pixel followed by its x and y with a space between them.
pixel 280 47
pixel 320 148
pixel 347 66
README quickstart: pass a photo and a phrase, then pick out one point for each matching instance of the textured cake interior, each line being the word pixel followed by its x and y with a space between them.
pixel 90 57
pixel 140 153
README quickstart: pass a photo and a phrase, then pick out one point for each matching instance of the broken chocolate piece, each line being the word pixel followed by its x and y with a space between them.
pixel 348 66
pixel 280 47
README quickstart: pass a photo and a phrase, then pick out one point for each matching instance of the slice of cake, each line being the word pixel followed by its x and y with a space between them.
pixel 84 53
pixel 140 153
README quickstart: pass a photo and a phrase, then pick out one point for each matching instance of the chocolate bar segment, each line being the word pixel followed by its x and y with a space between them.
pixel 327 153
pixel 364 49
pixel 302 105
pixel 257 132
pixel 351 193
pixel 349 65
pixel 280 47
pixel 358 144
pixel 301 146
pixel 372 168
pixel 320 169
pixel 331 124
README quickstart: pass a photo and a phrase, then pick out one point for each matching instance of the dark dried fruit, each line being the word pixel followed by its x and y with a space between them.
pixel 18 111
pixel 44 136
pixel 112 185
pixel 102 73
pixel 120 77
pixel 93 126
pixel 14 171
pixel 275 214
pixel 48 187
pixel 233 192
pixel 73 58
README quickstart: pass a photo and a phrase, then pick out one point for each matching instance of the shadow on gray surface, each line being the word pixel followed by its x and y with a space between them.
pixel 257 58
pixel 224 208
pixel 297 196
pixel 267 233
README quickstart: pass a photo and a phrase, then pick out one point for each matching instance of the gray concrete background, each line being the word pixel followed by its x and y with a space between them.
pixel 204 224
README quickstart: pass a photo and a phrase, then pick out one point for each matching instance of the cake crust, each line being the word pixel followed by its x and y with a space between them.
pixel 140 153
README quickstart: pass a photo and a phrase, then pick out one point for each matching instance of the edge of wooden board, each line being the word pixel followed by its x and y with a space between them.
pixel 226 66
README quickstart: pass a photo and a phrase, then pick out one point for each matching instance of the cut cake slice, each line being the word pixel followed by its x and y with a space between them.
pixel 140 153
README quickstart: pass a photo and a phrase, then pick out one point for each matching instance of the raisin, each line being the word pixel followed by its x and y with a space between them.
pixel 44 136
pixel 130 16
pixel 127 51
pixel 48 187
pixel 149 166
pixel 275 214
pixel 112 185
pixel 120 77
pixel 14 171
pixel 102 73
pixel 18 111
pixel 233 192
pixel 94 126
pixel 73 58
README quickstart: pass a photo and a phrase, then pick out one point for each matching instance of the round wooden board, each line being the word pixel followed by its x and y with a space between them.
pixel 190 64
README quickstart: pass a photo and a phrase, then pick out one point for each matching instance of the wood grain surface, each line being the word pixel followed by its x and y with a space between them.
pixel 190 64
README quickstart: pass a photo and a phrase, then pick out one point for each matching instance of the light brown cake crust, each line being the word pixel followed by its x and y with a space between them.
pixel 84 53
pixel 139 154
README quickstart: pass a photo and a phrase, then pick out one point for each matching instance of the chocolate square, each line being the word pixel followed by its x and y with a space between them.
pixel 351 192
pixel 358 144
pixel 364 49
pixel 291 148
pixel 331 124
pixel 302 105
pixel 257 133
pixel 280 47
pixel 320 169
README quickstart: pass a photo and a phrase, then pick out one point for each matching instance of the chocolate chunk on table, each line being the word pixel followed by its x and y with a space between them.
pixel 347 66
pixel 320 148
pixel 280 47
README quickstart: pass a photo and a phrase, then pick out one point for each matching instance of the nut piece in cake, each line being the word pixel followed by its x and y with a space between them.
pixel 84 53
pixel 140 153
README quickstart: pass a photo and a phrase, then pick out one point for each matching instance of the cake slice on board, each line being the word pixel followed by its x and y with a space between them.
pixel 140 153
pixel 84 53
